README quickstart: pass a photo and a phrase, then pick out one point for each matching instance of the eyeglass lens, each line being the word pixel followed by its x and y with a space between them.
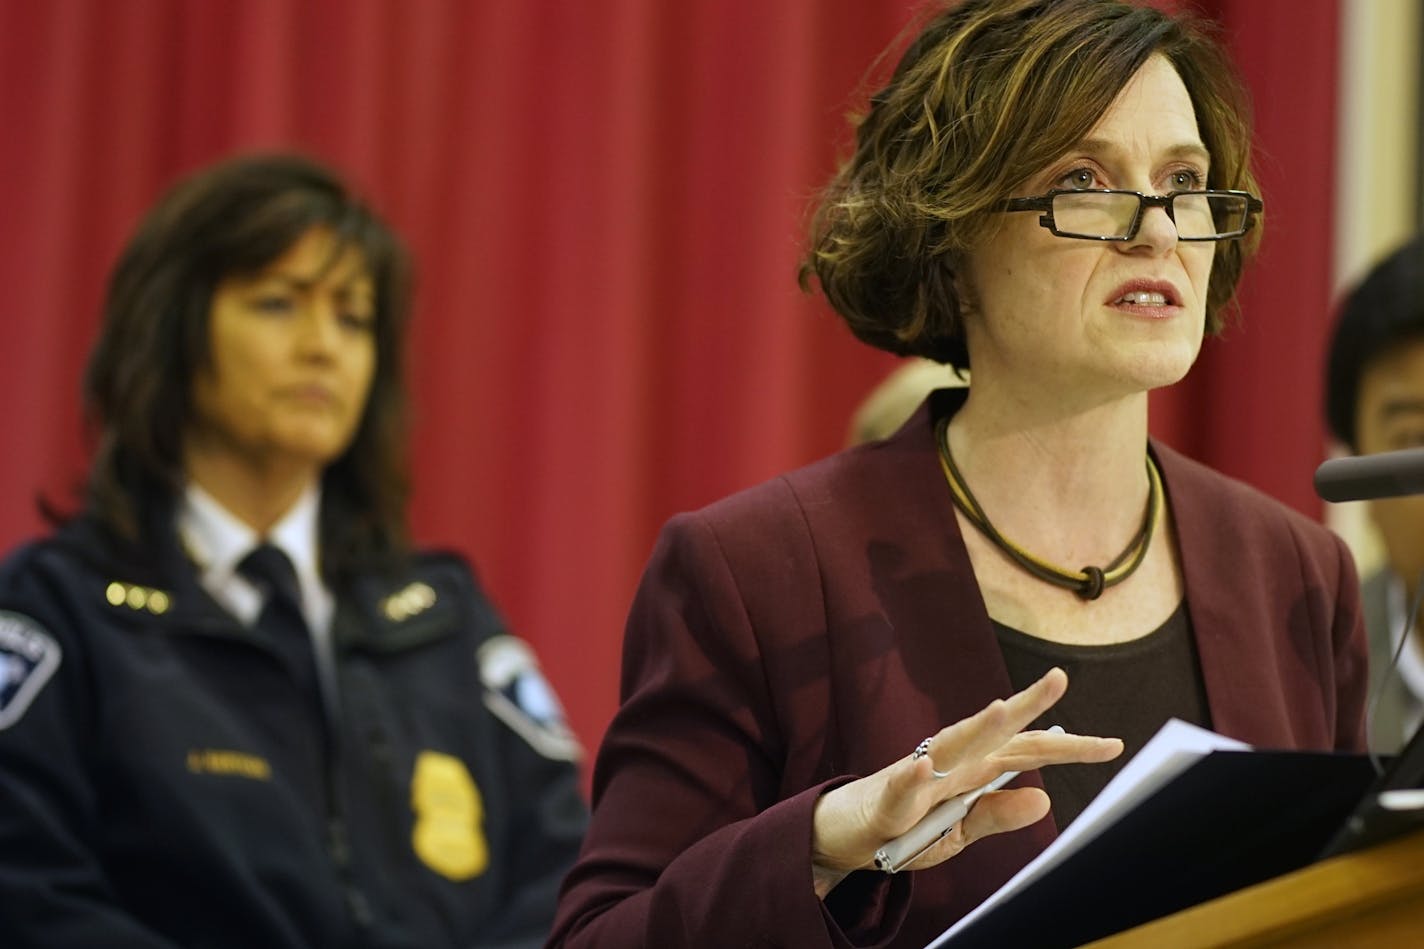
pixel 1094 214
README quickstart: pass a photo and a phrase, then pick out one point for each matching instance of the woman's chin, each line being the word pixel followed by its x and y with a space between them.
pixel 1163 365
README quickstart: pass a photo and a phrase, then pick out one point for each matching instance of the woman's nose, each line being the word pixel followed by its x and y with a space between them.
pixel 1156 231
pixel 319 330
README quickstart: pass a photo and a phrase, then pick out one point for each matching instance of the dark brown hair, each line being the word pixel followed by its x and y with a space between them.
pixel 988 94
pixel 234 219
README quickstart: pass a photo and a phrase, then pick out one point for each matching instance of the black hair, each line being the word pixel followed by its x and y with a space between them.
pixel 1384 309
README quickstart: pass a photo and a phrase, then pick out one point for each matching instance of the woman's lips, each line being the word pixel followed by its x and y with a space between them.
pixel 310 395
pixel 1156 298
pixel 1142 298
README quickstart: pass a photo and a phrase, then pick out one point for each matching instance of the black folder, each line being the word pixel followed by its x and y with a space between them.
pixel 1229 820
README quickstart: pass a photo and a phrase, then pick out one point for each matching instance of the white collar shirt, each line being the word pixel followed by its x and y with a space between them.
pixel 217 541
pixel 1410 667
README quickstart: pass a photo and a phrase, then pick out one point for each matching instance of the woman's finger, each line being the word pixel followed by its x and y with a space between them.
pixel 1003 811
pixel 984 732
pixel 1029 750
pixel 995 813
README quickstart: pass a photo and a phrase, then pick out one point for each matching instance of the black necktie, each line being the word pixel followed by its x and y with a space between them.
pixel 281 617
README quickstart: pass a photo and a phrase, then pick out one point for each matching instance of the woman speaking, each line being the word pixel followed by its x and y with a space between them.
pixel 1054 195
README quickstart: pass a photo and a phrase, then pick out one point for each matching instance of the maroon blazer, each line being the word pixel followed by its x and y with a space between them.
pixel 816 627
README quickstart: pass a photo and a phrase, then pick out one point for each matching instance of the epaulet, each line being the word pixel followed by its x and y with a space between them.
pixel 89 573
pixel 417 603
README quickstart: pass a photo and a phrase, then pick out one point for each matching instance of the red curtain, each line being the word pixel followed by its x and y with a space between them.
pixel 606 201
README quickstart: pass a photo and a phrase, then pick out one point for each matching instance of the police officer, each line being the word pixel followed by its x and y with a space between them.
pixel 235 709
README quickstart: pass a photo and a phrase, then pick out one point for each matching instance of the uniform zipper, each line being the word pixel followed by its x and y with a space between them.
pixel 338 837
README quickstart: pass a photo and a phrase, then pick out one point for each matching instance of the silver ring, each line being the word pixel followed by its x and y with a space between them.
pixel 922 750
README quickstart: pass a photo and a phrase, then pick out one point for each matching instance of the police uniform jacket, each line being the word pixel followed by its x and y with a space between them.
pixel 816 627
pixel 163 781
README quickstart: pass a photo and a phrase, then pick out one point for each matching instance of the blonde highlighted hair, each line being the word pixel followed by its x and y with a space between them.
pixel 988 94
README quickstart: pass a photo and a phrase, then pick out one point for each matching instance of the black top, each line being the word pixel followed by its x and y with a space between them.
pixel 1122 690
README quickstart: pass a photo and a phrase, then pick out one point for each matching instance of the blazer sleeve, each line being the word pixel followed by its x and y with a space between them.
pixel 694 841
pixel 53 890
pixel 1350 645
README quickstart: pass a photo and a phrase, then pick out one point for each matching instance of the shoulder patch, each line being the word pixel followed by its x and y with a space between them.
pixel 28 657
pixel 518 695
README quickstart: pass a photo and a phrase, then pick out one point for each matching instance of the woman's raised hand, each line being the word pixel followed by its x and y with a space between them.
pixel 853 821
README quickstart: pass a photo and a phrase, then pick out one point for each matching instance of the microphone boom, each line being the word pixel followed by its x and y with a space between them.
pixel 1366 477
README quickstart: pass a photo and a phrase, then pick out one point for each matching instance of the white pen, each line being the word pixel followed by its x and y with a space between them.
pixel 931 828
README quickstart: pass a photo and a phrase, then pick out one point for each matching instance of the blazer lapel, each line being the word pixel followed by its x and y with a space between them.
pixel 1228 577
pixel 934 621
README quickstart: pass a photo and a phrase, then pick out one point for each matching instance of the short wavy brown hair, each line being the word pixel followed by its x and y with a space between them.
pixel 989 93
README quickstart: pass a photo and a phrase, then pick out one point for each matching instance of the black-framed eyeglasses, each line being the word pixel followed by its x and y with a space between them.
pixel 1107 215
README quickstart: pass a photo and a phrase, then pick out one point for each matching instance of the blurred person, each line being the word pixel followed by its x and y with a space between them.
pixel 1056 196
pixel 895 398
pixel 238 709
pixel 1374 402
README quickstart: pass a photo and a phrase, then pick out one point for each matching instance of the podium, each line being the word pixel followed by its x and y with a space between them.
pixel 1372 897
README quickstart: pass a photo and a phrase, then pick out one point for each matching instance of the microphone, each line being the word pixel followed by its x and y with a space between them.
pixel 1388 474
